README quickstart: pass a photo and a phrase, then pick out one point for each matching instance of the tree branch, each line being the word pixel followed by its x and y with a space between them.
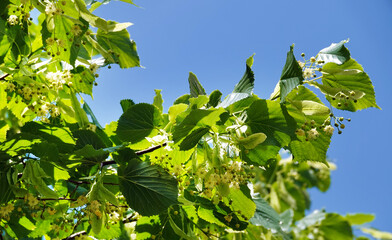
pixel 141 152
pixel 74 235
pixel 4 76
pixel 52 199
pixel 85 182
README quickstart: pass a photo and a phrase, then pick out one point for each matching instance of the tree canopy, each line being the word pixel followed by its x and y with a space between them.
pixel 212 167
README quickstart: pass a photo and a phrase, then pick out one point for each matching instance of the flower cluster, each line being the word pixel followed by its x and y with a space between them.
pixel 31 200
pixel 6 211
pixel 309 67
pixel 232 175
pixel 55 45
pixel 308 130
pixel 52 9
pixel 13 20
pixel 58 79
pixel 94 208
pixel 344 97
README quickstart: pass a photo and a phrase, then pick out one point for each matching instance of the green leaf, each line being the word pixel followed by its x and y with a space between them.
pixel 183 99
pixel 242 202
pixel 308 107
pixel 85 137
pixel 247 82
pixel 126 103
pixel 208 215
pixel 291 75
pixel 270 118
pixel 158 101
pixel 193 138
pixel 267 217
pixel 222 210
pixel 233 98
pixel 91 154
pixel 359 218
pixel 101 193
pixel 89 112
pixel 138 122
pixel 197 117
pixel 243 89
pixel 195 87
pixel 123 48
pixel 377 233
pixel 19 144
pixel 108 26
pixel 41 228
pixel 147 188
pixel 80 115
pixel 252 141
pixel 147 226
pixel 34 174
pixel 305 106
pixel 261 154
pixel 311 219
pixel 175 110
pixel 335 227
pixel 62 137
pixel 250 60
pixel 356 91
pixel 214 98
pixel 335 53
pixel 178 230
pixel 6 191
pixel 313 150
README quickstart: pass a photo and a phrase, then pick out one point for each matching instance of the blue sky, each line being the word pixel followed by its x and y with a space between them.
pixel 213 38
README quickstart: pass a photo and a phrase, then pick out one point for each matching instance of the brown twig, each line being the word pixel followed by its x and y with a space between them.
pixel 4 76
pixel 74 235
pixel 52 199
pixel 141 152
pixel 85 182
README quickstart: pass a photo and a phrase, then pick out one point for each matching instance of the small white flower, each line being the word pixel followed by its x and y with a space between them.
pixel 157 140
pixel 93 67
pixel 13 20
pixel 329 129
pixel 312 133
pixel 76 30
pixel 50 8
pixel 308 73
pixel 177 169
pixel 300 132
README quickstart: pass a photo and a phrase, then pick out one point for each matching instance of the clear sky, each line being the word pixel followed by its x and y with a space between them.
pixel 213 38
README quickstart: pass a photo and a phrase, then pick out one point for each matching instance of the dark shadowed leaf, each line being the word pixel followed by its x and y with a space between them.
pixel 192 139
pixel 147 188
pixel 215 98
pixel 138 122
pixel 126 103
pixel 291 75
pixel 195 87
pixel 270 118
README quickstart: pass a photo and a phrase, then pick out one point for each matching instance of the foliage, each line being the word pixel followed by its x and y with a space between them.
pixel 207 169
